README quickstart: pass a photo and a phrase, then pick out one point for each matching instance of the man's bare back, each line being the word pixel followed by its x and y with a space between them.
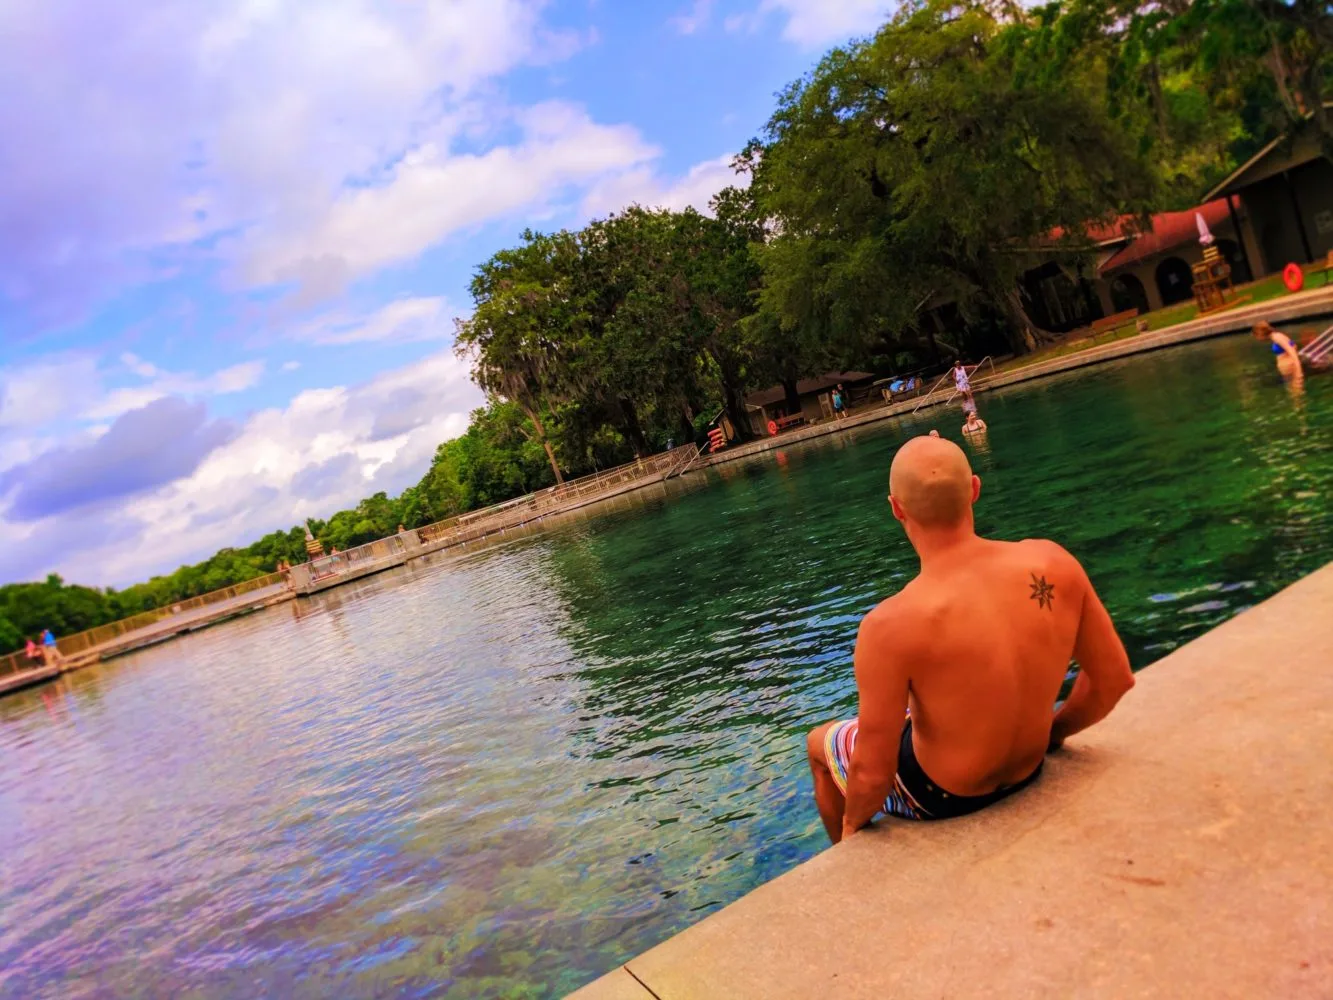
pixel 977 646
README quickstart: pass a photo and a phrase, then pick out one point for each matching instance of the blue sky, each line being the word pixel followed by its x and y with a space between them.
pixel 235 234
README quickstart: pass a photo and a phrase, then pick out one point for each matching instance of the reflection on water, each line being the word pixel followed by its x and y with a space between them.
pixel 501 773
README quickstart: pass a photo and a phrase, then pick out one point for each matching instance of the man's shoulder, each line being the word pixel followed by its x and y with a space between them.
pixel 1044 548
pixel 1042 555
pixel 895 616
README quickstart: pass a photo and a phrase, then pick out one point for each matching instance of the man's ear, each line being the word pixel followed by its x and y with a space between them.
pixel 976 488
pixel 898 511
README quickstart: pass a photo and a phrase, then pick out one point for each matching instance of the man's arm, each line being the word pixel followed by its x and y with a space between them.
pixel 1292 351
pixel 881 686
pixel 1104 675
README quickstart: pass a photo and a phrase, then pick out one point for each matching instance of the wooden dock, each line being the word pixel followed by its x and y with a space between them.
pixel 160 631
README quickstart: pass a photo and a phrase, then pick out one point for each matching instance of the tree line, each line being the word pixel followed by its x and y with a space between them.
pixel 927 163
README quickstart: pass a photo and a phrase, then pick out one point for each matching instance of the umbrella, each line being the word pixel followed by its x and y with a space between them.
pixel 1205 236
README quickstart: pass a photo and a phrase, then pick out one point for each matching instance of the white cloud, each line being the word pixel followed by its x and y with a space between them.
pixel 143 369
pixel 816 23
pixel 644 186
pixel 47 390
pixel 697 17
pixel 144 126
pixel 431 193
pixel 236 378
pixel 327 449
pixel 78 387
pixel 400 321
pixel 291 366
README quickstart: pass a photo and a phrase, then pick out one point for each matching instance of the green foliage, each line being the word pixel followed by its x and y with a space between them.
pixel 925 163
pixel 618 335
pixel 499 458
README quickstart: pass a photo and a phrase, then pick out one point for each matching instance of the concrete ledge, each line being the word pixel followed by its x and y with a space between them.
pixel 1182 848
pixel 1299 306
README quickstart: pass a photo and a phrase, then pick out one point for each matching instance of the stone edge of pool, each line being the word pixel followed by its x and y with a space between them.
pixel 1305 305
pixel 1182 847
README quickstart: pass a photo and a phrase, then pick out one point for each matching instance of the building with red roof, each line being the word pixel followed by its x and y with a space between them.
pixel 1131 268
pixel 1275 209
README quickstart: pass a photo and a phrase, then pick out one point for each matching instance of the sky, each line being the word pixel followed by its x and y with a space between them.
pixel 235 234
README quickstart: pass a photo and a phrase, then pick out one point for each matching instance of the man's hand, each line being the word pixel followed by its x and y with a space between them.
pixel 848 830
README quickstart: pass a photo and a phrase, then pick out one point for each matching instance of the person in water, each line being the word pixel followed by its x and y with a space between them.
pixel 957 674
pixel 1288 355
pixel 974 424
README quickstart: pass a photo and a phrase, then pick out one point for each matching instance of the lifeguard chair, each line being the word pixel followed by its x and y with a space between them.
pixel 1212 275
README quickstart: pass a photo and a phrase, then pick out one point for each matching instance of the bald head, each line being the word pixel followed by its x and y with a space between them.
pixel 931 482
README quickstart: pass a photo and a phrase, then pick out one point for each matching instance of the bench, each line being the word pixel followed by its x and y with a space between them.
pixel 1113 323
pixel 894 389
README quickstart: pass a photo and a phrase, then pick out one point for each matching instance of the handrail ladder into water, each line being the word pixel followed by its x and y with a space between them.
pixel 683 466
pixel 1319 352
pixel 987 360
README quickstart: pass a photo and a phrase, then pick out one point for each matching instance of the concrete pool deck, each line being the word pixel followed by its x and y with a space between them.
pixel 1184 847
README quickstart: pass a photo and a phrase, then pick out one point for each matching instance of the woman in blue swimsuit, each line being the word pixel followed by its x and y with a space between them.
pixel 1288 357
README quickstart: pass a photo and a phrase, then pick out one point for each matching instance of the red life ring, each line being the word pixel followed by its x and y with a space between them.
pixel 1293 277
pixel 772 428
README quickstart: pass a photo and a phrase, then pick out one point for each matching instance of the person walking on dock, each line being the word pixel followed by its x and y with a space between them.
pixel 958 673
pixel 50 651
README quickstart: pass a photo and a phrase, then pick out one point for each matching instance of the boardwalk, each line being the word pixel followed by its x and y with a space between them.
pixel 159 631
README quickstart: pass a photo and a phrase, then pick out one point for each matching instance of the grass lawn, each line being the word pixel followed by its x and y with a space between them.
pixel 1256 291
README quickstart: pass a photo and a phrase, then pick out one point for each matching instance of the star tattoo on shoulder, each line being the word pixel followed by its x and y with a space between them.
pixel 1042 592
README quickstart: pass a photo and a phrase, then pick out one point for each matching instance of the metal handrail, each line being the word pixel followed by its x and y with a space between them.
pixel 680 468
pixel 987 360
pixel 1319 349
pixel 922 401
pixel 533 505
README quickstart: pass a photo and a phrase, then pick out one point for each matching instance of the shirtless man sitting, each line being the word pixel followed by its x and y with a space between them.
pixel 972 653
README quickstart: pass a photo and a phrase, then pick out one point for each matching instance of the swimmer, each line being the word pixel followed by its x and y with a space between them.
pixel 972 654
pixel 1288 357
pixel 974 425
pixel 934 433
